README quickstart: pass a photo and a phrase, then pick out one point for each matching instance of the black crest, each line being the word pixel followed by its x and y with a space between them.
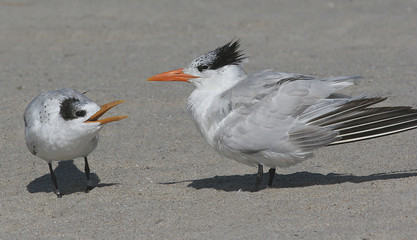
pixel 69 111
pixel 229 54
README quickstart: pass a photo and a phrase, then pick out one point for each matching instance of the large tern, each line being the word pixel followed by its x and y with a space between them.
pixel 62 125
pixel 277 119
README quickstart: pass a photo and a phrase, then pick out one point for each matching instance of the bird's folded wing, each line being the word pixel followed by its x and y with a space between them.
pixel 261 112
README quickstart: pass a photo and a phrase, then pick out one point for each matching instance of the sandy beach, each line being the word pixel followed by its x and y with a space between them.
pixel 155 176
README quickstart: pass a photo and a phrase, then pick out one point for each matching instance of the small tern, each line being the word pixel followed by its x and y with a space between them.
pixel 62 125
pixel 277 119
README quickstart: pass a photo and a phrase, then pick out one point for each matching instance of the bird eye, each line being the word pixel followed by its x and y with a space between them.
pixel 80 113
pixel 203 67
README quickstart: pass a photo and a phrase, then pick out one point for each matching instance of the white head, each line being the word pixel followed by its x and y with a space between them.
pixel 67 108
pixel 213 69
pixel 75 112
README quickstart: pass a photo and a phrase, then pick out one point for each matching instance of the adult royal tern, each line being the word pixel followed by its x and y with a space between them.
pixel 278 119
pixel 62 125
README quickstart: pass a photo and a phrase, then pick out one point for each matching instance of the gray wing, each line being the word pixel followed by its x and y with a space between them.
pixel 265 116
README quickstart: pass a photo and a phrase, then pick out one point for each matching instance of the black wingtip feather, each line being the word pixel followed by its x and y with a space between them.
pixel 355 105
pixel 377 133
pixel 356 121
pixel 371 123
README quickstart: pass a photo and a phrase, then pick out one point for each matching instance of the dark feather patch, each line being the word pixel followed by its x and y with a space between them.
pixel 32 148
pixel 355 121
pixel 228 54
pixel 68 109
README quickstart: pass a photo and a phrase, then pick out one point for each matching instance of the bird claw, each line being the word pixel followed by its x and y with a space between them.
pixel 58 194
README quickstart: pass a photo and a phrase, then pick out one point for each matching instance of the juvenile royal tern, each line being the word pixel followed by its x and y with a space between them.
pixel 278 119
pixel 62 125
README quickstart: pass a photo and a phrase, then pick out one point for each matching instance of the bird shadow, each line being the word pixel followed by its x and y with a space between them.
pixel 70 180
pixel 294 180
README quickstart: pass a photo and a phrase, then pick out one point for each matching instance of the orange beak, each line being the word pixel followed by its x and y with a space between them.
pixel 174 75
pixel 103 109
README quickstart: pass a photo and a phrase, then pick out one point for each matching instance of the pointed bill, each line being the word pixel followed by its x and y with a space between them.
pixel 174 75
pixel 103 109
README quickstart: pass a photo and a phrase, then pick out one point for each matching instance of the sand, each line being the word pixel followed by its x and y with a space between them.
pixel 156 178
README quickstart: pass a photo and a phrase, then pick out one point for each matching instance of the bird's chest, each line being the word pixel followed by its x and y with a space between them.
pixel 63 144
pixel 201 111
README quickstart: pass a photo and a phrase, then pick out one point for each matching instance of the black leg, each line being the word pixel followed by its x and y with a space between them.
pixel 87 173
pixel 271 176
pixel 259 176
pixel 53 177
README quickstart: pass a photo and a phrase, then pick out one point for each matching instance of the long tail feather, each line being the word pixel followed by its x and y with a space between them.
pixel 355 121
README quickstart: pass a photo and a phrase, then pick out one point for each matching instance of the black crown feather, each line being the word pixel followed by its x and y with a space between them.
pixel 229 54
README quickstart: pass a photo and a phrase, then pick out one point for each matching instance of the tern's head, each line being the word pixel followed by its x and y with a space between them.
pixel 67 110
pixel 80 111
pixel 215 67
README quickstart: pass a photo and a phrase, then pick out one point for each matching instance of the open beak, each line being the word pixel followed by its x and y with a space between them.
pixel 174 75
pixel 103 109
